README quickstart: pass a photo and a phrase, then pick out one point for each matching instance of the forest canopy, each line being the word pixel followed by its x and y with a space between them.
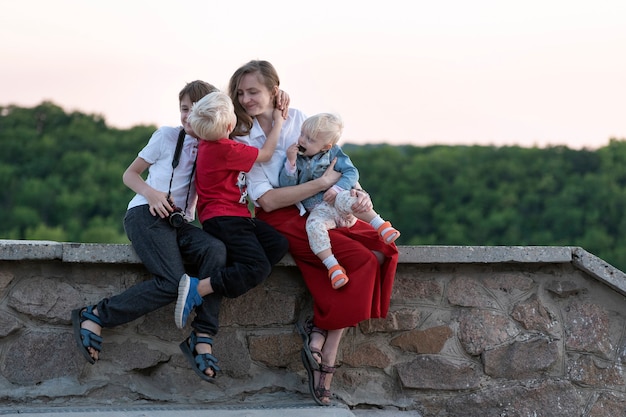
pixel 61 180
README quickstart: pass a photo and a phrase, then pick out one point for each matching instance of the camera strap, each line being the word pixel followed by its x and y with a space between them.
pixel 175 161
pixel 179 148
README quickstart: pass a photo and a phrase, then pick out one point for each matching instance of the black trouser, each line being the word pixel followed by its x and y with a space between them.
pixel 253 247
pixel 165 250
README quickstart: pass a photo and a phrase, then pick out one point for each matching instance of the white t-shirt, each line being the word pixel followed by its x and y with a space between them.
pixel 159 153
pixel 264 175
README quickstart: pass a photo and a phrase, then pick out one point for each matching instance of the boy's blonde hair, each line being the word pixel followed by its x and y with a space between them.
pixel 325 126
pixel 213 116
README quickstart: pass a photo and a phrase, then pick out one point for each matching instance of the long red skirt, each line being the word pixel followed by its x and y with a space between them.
pixel 368 293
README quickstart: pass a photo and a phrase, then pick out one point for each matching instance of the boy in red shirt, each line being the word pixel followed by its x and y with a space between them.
pixel 253 246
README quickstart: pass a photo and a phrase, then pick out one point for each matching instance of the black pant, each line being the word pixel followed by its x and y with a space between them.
pixel 165 251
pixel 253 247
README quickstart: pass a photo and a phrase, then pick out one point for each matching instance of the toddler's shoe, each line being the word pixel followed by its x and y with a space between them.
pixel 388 233
pixel 338 277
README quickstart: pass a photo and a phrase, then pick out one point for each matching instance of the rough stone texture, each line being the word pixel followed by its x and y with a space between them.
pixel 533 399
pixel 480 330
pixel 471 332
pixel 608 405
pixel 468 292
pixel 522 359
pixel 39 356
pixel 423 341
pixel 439 373
pixel 587 329
pixel 533 315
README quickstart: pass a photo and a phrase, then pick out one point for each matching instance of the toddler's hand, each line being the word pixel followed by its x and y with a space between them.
pixel 330 195
pixel 282 103
pixel 292 153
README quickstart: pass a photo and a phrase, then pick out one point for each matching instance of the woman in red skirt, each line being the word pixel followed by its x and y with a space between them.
pixel 368 260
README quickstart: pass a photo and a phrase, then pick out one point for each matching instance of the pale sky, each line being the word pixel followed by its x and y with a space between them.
pixel 420 72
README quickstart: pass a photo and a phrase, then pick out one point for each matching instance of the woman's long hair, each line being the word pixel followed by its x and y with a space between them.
pixel 267 76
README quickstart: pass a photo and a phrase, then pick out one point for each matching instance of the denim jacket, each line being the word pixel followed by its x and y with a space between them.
pixel 310 168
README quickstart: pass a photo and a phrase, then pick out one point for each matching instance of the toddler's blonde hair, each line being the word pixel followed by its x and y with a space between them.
pixel 325 126
pixel 213 116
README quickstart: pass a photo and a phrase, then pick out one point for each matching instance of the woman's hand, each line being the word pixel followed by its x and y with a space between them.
pixel 363 201
pixel 330 176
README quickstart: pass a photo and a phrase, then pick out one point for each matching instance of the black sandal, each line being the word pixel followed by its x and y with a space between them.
pixel 200 362
pixel 305 331
pixel 319 392
pixel 86 338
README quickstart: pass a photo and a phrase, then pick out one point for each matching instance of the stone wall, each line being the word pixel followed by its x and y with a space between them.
pixel 472 331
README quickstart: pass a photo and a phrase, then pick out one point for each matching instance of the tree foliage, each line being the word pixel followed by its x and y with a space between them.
pixel 60 179
pixel 60 174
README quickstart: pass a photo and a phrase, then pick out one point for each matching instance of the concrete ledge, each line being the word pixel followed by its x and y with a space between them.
pixel 99 253
pixel 124 253
pixel 15 250
pixel 485 254
pixel 599 269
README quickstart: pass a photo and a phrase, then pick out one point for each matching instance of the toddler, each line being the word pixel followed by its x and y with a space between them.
pixel 306 160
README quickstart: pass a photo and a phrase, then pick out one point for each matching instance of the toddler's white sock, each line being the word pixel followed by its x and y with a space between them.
pixel 377 222
pixel 330 261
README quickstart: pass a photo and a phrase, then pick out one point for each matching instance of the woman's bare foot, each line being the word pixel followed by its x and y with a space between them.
pixel 317 345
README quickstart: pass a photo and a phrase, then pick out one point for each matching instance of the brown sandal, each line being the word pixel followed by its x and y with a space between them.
pixel 311 328
pixel 320 392
pixel 314 329
pixel 305 331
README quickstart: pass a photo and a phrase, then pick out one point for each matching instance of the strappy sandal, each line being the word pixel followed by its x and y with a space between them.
pixel 338 277
pixel 200 362
pixel 388 233
pixel 305 331
pixel 320 392
pixel 306 348
pixel 85 338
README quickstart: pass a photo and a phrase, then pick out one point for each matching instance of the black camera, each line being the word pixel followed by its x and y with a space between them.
pixel 176 218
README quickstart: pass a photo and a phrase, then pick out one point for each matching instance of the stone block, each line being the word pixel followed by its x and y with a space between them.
pixel 523 359
pixel 427 341
pixel 432 372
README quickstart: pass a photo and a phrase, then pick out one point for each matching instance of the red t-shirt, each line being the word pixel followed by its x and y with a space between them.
pixel 221 178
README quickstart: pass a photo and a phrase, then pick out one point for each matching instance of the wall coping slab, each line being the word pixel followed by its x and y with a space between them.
pixel 20 250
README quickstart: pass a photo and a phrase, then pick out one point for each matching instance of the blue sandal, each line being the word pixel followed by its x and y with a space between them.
pixel 200 362
pixel 86 338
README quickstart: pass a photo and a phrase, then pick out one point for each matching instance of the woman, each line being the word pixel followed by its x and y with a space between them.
pixel 370 263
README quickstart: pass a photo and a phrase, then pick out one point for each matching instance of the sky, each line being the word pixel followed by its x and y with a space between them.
pixel 420 72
